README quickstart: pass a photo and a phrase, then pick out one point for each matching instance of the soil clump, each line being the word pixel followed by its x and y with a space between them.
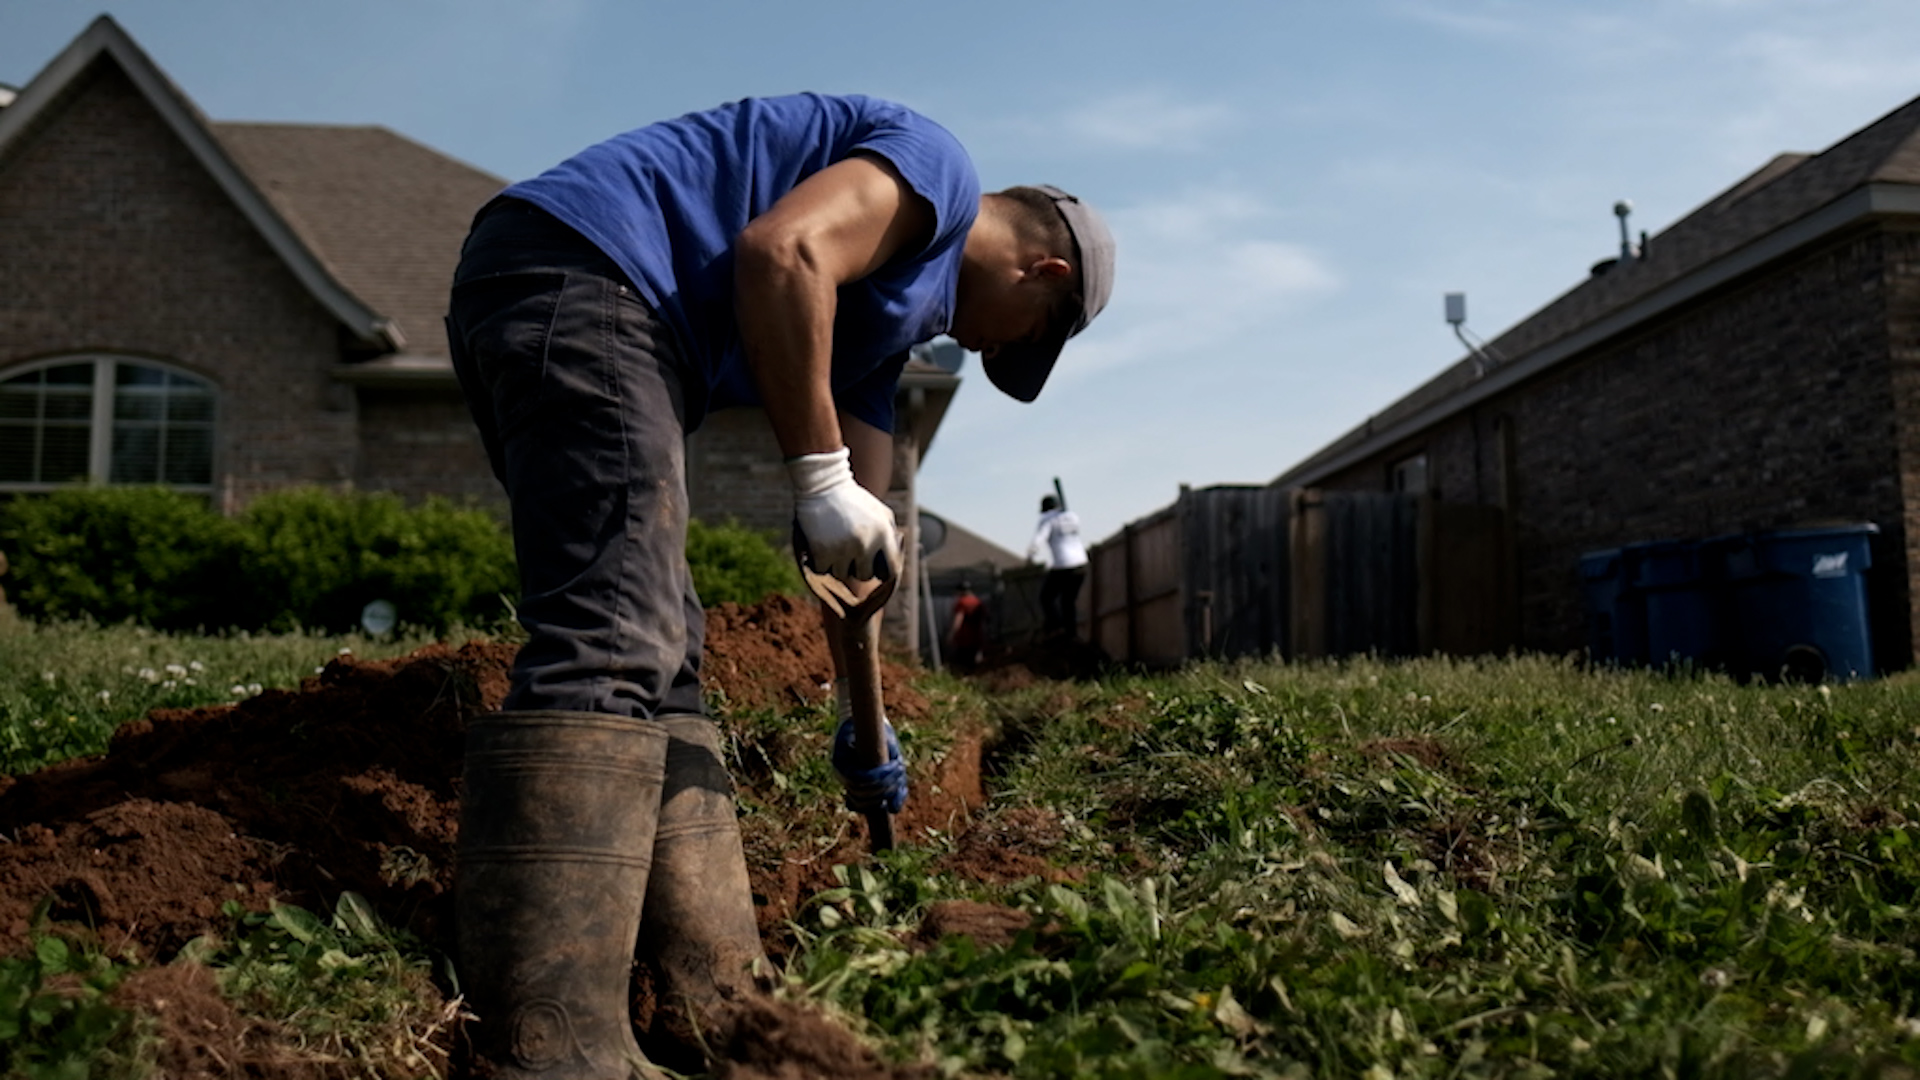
pixel 351 783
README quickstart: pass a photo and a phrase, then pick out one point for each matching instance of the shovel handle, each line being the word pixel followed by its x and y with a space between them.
pixel 860 644
pixel 860 647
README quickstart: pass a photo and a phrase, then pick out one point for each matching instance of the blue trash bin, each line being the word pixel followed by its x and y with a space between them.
pixel 1796 602
pixel 1676 586
pixel 1616 617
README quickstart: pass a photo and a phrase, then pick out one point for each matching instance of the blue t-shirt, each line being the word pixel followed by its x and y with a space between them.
pixel 667 200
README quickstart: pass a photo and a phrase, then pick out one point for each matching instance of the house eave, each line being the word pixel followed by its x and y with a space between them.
pixel 402 370
pixel 922 399
pixel 1868 202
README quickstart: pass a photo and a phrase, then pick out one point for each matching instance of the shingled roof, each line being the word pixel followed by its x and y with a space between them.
pixel 1793 200
pixel 383 213
pixel 369 222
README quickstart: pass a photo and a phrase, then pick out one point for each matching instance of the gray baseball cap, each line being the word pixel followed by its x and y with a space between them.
pixel 1020 370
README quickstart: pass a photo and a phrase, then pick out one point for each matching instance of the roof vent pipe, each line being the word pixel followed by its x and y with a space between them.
pixel 1620 210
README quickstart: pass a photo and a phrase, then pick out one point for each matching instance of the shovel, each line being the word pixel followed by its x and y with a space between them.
pixel 860 645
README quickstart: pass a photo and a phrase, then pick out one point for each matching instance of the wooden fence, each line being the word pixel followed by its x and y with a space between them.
pixel 1252 571
pixel 1204 577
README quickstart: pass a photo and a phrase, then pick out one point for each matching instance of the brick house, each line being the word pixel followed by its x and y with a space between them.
pixel 1754 366
pixel 230 308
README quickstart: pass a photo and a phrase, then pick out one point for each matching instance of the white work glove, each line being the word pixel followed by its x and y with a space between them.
pixel 848 531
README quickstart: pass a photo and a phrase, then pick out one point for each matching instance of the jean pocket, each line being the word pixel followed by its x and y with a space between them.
pixel 505 323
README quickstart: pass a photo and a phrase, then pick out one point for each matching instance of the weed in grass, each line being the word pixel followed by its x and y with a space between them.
pixel 1436 869
pixel 55 1020
pixel 351 987
pixel 70 685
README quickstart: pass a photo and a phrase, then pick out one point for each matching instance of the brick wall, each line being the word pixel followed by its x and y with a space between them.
pixel 1902 277
pixel 113 239
pixel 1767 404
pixel 422 441
pixel 734 471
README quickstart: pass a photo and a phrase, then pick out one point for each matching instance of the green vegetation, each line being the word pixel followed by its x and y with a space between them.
pixel 1428 869
pixel 300 557
pixel 312 557
pixel 732 563
pixel 351 987
pixel 65 687
pixel 1513 868
pixel 55 1020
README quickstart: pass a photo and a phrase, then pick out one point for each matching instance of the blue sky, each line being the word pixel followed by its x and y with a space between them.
pixel 1294 185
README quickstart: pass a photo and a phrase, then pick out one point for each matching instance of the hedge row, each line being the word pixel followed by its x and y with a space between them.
pixel 302 557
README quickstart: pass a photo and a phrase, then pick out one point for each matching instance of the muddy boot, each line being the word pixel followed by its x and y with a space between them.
pixel 557 824
pixel 699 933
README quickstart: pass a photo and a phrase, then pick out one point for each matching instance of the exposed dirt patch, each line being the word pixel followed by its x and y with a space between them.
pixel 772 655
pixel 946 792
pixel 351 782
pixel 199 1035
pixel 772 1040
pixel 1429 752
pixel 1009 846
pixel 986 924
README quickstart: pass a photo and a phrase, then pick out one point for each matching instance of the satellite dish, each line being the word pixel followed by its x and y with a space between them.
pixel 933 533
pixel 378 617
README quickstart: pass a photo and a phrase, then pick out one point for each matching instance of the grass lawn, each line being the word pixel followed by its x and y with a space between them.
pixel 1417 869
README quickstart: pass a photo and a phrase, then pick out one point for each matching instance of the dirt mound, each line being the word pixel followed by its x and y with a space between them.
pixel 772 655
pixel 351 782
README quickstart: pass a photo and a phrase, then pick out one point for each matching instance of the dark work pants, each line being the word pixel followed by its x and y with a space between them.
pixel 577 387
pixel 1060 599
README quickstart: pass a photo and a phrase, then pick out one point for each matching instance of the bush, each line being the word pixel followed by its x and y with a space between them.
pixel 731 562
pixel 302 557
pixel 145 554
pixel 315 558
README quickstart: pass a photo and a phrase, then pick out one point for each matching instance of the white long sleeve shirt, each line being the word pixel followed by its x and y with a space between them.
pixel 1057 542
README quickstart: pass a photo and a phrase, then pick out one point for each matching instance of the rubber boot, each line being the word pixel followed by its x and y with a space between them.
pixel 699 933
pixel 557 822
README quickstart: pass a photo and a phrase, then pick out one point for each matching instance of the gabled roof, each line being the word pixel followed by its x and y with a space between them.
pixel 370 223
pixel 965 549
pixel 1792 201
pixel 384 214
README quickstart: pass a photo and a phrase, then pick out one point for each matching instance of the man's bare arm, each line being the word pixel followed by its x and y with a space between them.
pixel 839 225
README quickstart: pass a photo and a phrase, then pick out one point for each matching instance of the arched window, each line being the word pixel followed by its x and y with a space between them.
pixel 104 419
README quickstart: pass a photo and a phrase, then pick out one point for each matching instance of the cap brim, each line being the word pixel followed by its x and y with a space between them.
pixel 1021 370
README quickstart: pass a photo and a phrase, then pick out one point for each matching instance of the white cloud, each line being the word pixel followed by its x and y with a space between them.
pixel 1194 271
pixel 1146 120
pixel 1128 122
